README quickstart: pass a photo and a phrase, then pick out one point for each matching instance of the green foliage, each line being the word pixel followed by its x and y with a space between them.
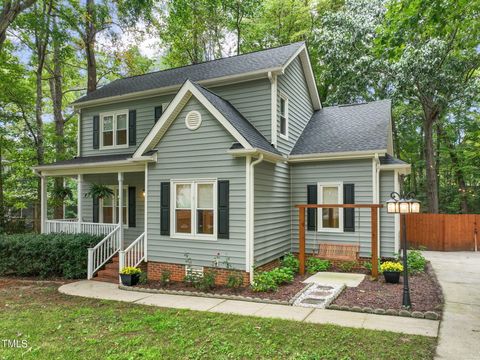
pixel 315 265
pixel 291 262
pixel 143 278
pixel 347 266
pixel 207 281
pixel 416 261
pixel 234 278
pixel 53 255
pixel 368 265
pixel 99 191
pixel 270 280
pixel 165 277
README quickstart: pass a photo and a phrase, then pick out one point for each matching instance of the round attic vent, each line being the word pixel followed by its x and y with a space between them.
pixel 193 120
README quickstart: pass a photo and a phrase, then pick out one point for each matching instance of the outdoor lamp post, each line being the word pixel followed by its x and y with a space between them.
pixel 404 204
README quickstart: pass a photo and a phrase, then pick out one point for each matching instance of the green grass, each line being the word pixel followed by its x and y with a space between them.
pixel 57 326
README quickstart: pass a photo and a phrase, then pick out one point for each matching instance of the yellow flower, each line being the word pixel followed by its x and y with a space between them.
pixel 130 270
pixel 391 266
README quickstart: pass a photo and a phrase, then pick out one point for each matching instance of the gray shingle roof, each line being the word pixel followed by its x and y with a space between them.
pixel 390 160
pixel 346 128
pixel 255 61
pixel 238 121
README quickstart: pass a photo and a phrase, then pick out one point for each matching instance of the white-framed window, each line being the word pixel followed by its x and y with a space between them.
pixel 330 219
pixel 283 115
pixel 194 209
pixel 108 212
pixel 114 129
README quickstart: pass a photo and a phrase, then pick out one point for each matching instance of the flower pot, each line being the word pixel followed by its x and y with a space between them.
pixel 130 280
pixel 392 277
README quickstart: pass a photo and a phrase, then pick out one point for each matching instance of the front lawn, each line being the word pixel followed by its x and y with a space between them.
pixel 57 326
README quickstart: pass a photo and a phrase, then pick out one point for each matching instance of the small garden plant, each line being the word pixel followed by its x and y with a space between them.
pixel 130 270
pixel 290 261
pixel 391 266
pixel 315 265
pixel 270 280
pixel 347 266
pixel 234 278
pixel 165 277
pixel 416 262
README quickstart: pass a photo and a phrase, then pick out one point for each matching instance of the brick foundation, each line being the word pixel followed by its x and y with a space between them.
pixel 177 271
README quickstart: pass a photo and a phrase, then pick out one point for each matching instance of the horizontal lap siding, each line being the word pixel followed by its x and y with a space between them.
pixel 145 109
pixel 387 221
pixel 185 154
pixel 358 172
pixel 272 212
pixel 130 179
pixel 300 109
pixel 253 100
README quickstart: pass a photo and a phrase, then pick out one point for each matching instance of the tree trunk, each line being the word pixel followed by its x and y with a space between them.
pixel 430 168
pixel 2 202
pixel 56 92
pixel 9 13
pixel 89 40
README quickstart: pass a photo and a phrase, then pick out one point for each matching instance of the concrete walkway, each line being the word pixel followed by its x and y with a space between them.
pixel 459 276
pixel 106 291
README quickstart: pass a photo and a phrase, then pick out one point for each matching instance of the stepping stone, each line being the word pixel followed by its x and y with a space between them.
pixel 321 293
pixel 313 301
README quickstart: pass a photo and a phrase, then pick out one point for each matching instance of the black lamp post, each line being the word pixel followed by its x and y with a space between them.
pixel 404 204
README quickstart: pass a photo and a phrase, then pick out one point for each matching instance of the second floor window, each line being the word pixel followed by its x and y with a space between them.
pixel 114 128
pixel 283 116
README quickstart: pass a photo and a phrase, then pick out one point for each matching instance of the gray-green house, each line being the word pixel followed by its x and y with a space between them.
pixel 211 159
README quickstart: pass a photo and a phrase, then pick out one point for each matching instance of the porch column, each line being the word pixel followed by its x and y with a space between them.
pixel 145 199
pixel 120 208
pixel 43 204
pixel 79 202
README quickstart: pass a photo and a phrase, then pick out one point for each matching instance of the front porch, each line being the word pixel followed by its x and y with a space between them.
pixel 119 218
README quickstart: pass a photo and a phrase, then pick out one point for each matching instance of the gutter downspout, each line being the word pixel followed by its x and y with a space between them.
pixel 376 164
pixel 273 100
pixel 250 214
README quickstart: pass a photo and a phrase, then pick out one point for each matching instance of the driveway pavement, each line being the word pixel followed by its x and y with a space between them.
pixel 459 276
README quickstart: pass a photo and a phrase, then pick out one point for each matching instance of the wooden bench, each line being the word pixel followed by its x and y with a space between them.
pixel 338 252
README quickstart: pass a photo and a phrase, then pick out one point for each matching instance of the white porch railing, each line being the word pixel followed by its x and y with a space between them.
pixel 71 226
pixel 134 254
pixel 103 251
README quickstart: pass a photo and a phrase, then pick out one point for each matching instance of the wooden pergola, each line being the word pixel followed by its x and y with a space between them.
pixel 374 230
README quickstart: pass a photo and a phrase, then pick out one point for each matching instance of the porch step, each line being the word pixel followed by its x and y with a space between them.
pixel 109 273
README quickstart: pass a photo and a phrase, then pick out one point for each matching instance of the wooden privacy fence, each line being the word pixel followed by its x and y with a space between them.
pixel 444 232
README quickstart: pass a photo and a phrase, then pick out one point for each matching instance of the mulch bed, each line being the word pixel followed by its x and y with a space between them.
pixel 425 293
pixel 284 293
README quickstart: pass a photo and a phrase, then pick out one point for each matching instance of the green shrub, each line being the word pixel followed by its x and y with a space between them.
pixel 234 280
pixel 347 266
pixel 165 277
pixel 315 265
pixel 264 281
pixel 290 261
pixel 368 265
pixel 416 262
pixel 52 255
pixel 207 281
pixel 269 280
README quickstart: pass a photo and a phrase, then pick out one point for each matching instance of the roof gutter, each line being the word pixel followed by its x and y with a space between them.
pixel 368 154
pixel 131 161
pixel 266 155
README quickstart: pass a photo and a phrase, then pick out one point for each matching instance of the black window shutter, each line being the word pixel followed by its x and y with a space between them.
pixel 96 131
pixel 165 208
pixel 96 210
pixel 132 210
pixel 132 127
pixel 349 214
pixel 311 199
pixel 223 209
pixel 158 113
